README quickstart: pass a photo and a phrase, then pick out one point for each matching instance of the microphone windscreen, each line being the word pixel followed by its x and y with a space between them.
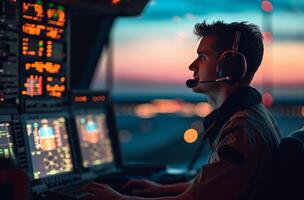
pixel 191 83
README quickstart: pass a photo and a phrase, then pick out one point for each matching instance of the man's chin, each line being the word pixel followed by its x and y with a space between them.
pixel 201 89
pixel 197 90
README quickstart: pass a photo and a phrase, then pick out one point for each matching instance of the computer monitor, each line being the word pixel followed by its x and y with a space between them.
pixel 49 146
pixel 94 139
pixel 6 141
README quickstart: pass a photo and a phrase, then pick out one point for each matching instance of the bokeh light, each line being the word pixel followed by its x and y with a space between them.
pixel 190 135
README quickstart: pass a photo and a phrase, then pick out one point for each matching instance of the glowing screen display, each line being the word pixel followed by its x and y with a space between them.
pixel 6 142
pixel 43 49
pixel 94 140
pixel 49 146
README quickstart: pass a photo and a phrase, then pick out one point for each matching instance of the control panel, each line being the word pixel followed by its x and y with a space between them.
pixel 44 65
pixel 9 43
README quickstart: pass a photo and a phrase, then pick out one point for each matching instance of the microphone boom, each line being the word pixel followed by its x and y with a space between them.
pixel 191 83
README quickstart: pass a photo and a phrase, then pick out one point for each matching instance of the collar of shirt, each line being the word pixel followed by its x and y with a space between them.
pixel 240 99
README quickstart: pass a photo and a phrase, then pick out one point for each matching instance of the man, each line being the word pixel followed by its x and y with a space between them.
pixel 242 134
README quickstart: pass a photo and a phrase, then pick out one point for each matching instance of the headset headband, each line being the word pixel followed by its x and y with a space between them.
pixel 236 41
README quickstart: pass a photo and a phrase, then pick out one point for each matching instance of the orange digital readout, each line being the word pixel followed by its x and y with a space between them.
pixel 56 17
pixel 33 86
pixel 32 11
pixel 56 79
pixel 49 67
pixel 54 33
pixel 55 86
pixel 33 29
pixel 36 29
pixel 49 49
pixel 50 79
pixel 31 47
pixel 55 90
pixel 98 98
pixel 80 98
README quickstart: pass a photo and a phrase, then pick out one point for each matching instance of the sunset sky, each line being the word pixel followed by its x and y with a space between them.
pixel 158 46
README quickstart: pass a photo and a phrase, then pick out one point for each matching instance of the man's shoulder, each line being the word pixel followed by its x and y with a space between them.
pixel 252 123
pixel 256 112
pixel 256 116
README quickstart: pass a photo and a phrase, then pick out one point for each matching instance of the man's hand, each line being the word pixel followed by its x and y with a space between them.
pixel 144 188
pixel 98 191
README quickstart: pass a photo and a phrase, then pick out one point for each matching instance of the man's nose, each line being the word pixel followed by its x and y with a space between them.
pixel 192 66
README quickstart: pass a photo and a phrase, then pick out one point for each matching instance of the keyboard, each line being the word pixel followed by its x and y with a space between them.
pixel 70 192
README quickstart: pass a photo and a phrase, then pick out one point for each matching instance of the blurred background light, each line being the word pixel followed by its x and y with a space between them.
pixel 190 135
pixel 267 6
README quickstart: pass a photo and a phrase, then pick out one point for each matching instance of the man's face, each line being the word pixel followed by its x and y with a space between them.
pixel 204 66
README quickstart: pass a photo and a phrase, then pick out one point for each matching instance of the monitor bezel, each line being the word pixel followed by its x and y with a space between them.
pixel 51 178
pixel 111 125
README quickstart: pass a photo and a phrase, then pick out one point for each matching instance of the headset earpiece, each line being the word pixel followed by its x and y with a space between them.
pixel 232 63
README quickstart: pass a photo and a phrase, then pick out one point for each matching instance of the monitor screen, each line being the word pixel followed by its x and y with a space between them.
pixel 49 146
pixel 94 140
pixel 6 141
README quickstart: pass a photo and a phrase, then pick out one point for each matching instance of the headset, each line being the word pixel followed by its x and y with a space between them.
pixel 232 63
